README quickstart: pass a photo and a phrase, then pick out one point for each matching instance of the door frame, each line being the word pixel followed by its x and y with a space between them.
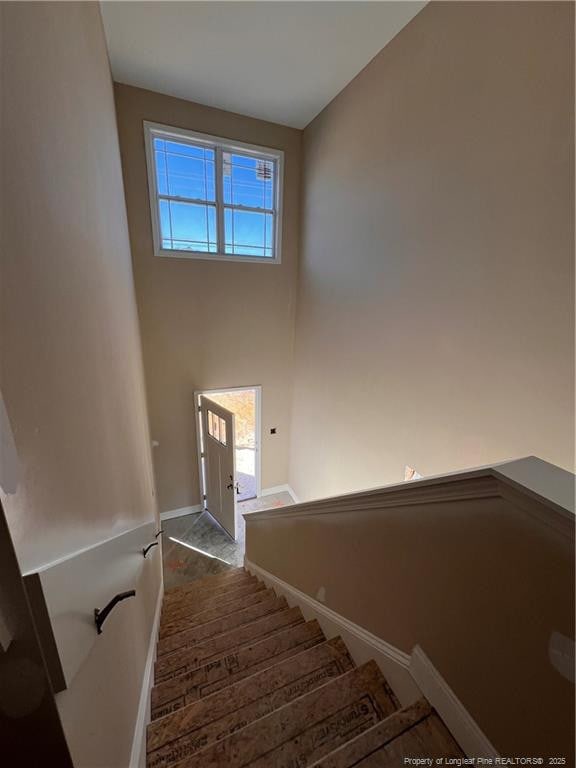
pixel 258 434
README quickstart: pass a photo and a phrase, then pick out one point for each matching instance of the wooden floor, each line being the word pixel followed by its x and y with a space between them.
pixel 241 679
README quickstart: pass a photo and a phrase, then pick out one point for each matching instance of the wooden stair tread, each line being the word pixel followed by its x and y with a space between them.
pixel 372 740
pixel 194 589
pixel 169 696
pixel 201 591
pixel 306 729
pixel 207 595
pixel 217 612
pixel 220 626
pixel 194 656
pixel 181 734
pixel 215 578
pixel 243 681
pixel 188 608
pixel 428 738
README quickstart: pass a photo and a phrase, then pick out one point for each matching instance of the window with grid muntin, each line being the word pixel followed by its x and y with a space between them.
pixel 213 199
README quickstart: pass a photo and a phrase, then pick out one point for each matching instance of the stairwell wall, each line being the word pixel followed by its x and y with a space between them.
pixel 477 572
pixel 71 370
pixel 209 324
pixel 435 315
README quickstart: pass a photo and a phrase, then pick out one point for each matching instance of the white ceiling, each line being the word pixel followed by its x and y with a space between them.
pixel 279 61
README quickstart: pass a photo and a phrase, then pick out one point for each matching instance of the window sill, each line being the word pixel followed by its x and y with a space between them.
pixel 217 257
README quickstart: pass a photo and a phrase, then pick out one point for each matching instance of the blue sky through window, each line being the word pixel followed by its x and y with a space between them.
pixel 188 206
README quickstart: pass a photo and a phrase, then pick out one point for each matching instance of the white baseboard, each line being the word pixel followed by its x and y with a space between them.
pixel 279 489
pixel 465 730
pixel 291 492
pixel 180 512
pixel 169 514
pixel 138 753
pixel 274 489
pixel 362 645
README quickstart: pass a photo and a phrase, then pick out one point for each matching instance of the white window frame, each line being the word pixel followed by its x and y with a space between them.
pixel 220 145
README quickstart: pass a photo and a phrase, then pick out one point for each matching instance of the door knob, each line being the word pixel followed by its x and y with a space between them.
pixel 231 485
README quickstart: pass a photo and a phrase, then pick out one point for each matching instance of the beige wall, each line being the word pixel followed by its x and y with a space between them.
pixel 435 311
pixel 477 574
pixel 71 369
pixel 208 325
pixel 71 372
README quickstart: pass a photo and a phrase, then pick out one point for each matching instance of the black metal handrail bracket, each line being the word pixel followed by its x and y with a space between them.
pixel 100 616
pixel 149 547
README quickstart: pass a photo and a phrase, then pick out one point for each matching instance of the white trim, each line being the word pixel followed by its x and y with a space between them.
pixel 544 480
pixel 82 550
pixel 218 198
pixel 293 494
pixel 167 254
pixel 363 645
pixel 217 143
pixel 198 427
pixel 138 752
pixel 180 512
pixel 479 483
pixel 458 720
pixel 274 489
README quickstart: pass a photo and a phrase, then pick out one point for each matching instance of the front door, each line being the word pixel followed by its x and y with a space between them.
pixel 220 474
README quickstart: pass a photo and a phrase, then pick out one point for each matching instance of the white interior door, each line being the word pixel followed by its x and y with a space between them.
pixel 219 466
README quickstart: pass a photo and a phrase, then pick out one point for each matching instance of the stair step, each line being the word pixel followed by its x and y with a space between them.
pixel 428 738
pixel 192 607
pixel 192 657
pixel 215 578
pixel 187 589
pixel 178 691
pixel 190 636
pixel 306 729
pixel 181 734
pixel 207 594
pixel 198 590
pixel 355 751
pixel 217 612
pixel 243 681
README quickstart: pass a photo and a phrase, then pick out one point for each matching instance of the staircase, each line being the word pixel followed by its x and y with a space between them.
pixel 242 680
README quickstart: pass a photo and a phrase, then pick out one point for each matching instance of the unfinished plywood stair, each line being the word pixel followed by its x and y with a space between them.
pixel 242 680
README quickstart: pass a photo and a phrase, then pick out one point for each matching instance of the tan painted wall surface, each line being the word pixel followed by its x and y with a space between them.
pixel 480 584
pixel 435 312
pixel 208 325
pixel 71 362
pixel 71 368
